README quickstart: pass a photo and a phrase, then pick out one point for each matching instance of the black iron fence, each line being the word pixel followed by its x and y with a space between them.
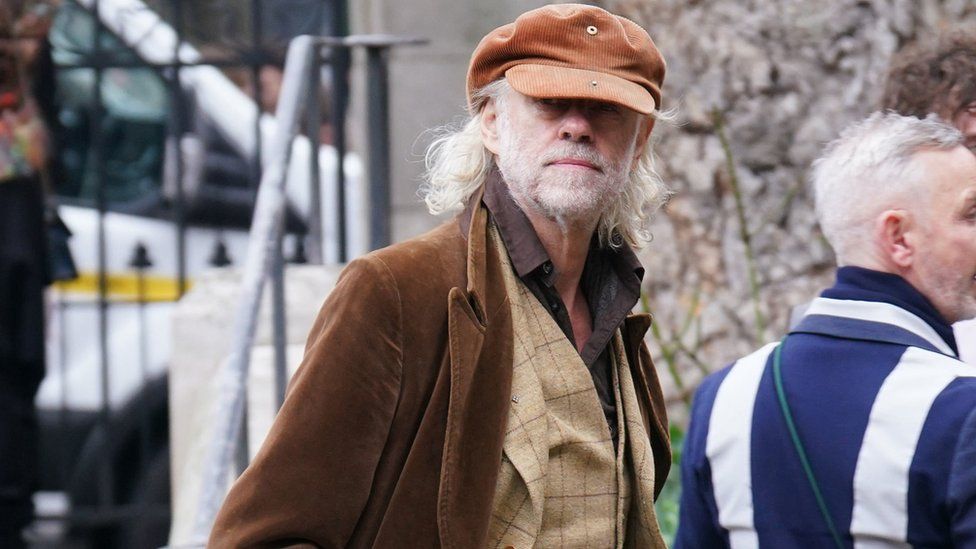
pixel 139 229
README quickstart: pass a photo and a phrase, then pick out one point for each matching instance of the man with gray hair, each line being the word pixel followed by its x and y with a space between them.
pixel 859 427
pixel 484 385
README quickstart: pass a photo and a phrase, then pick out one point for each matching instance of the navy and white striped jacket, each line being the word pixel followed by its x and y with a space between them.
pixel 885 411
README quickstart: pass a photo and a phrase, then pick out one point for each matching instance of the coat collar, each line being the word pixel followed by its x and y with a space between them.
pixel 473 223
pixel 870 321
pixel 861 284
pixel 875 306
pixel 480 355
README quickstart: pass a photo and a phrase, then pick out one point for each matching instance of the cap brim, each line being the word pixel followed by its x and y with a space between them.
pixel 564 82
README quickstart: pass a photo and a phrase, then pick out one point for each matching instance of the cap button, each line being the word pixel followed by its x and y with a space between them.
pixel 593 83
pixel 591 30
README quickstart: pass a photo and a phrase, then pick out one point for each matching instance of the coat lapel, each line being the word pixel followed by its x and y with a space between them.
pixel 644 530
pixel 480 349
pixel 646 383
pixel 527 435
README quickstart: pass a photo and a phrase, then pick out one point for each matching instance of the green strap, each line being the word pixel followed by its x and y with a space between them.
pixel 781 395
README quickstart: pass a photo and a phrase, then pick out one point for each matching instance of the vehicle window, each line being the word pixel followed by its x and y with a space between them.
pixel 133 125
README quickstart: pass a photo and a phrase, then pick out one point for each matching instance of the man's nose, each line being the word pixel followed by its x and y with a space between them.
pixel 576 126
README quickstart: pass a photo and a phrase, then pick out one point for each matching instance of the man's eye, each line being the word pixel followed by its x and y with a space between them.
pixel 608 108
pixel 552 103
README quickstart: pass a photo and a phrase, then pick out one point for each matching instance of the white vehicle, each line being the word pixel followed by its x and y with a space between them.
pixel 103 404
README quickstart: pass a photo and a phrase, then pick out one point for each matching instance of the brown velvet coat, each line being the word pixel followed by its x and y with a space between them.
pixel 392 431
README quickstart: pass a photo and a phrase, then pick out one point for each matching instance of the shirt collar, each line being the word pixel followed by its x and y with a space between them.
pixel 524 247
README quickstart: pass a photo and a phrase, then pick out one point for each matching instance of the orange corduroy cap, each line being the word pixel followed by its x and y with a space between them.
pixel 572 51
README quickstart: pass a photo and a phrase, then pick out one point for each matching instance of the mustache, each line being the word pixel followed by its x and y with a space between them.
pixel 581 152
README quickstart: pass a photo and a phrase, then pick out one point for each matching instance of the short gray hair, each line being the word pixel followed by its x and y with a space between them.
pixel 871 168
pixel 457 163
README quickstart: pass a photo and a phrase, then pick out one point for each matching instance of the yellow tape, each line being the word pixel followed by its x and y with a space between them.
pixel 124 287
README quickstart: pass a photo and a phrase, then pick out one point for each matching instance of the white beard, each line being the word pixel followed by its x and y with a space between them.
pixel 571 197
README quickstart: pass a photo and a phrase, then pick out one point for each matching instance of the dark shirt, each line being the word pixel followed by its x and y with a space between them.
pixel 611 285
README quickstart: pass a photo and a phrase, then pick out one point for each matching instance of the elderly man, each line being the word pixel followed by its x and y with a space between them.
pixel 860 426
pixel 939 77
pixel 484 384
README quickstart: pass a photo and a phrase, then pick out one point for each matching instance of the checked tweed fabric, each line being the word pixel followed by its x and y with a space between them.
pixel 561 482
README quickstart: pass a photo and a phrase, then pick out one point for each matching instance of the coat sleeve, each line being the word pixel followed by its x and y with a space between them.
pixel 312 477
pixel 698 516
pixel 962 486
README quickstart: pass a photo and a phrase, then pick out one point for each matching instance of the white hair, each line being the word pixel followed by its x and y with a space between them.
pixel 871 168
pixel 458 162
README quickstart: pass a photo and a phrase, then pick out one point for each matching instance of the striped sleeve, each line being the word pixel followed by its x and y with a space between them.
pixel 698 521
pixel 962 486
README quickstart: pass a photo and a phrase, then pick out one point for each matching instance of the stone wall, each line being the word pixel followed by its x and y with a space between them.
pixel 759 86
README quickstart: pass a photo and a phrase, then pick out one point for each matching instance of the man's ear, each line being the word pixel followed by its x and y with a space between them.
pixel 642 137
pixel 489 125
pixel 896 234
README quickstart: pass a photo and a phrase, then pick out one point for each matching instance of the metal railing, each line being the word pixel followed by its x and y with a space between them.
pixel 264 262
